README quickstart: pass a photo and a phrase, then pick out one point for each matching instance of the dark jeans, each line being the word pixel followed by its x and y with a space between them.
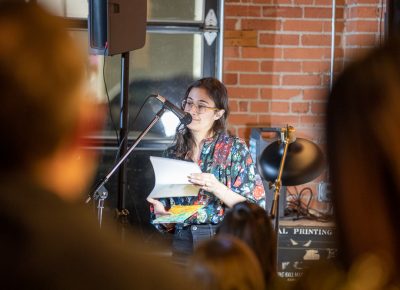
pixel 187 238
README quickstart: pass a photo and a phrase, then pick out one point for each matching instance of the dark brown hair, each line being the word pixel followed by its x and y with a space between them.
pixel 225 262
pixel 217 92
pixel 362 125
pixel 251 224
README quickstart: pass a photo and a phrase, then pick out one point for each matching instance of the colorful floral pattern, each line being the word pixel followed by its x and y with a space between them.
pixel 229 159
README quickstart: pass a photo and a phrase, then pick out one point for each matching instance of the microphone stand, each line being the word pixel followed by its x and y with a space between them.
pixel 121 212
pixel 97 194
pixel 102 195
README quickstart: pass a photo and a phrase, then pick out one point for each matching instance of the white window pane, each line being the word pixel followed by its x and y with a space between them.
pixel 54 6
pixel 77 8
pixel 67 8
pixel 163 10
pixel 180 10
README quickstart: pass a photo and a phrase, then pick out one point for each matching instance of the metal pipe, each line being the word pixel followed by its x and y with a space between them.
pixel 332 43
pixel 220 49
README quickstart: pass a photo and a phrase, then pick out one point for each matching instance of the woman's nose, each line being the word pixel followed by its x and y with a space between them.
pixel 193 109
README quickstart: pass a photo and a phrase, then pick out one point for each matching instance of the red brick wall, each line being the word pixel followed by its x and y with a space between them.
pixel 277 59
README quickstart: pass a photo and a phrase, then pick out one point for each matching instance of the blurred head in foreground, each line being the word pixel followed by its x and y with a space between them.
pixel 250 223
pixel 225 262
pixel 363 122
pixel 45 110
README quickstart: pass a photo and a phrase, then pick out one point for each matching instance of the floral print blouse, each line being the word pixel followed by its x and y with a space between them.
pixel 229 159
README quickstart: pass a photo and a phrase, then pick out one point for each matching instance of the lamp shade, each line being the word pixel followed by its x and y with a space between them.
pixel 304 162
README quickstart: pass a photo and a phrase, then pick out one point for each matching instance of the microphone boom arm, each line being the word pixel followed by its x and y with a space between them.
pixel 95 194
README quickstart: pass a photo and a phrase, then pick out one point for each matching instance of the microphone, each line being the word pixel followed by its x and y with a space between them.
pixel 184 117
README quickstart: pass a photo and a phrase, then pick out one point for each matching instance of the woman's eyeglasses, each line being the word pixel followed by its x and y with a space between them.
pixel 200 109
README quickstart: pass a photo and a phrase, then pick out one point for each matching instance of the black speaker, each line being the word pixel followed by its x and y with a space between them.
pixel 116 26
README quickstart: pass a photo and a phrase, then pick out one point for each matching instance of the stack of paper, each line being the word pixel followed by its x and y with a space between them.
pixel 172 177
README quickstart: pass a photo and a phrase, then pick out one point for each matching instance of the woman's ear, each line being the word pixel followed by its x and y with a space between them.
pixel 219 114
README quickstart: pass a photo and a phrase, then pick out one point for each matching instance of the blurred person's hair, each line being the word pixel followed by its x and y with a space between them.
pixel 363 123
pixel 225 262
pixel 250 223
pixel 41 83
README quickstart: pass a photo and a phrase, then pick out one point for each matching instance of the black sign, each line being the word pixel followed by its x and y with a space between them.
pixel 301 246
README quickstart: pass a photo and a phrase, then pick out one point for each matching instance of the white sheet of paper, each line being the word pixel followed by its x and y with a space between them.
pixel 172 177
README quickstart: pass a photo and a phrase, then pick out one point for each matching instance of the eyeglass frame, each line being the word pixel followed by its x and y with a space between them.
pixel 185 102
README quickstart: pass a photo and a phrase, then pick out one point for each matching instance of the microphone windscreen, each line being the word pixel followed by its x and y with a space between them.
pixel 187 119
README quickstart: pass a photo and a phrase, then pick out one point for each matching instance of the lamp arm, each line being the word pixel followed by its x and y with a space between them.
pixel 278 181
